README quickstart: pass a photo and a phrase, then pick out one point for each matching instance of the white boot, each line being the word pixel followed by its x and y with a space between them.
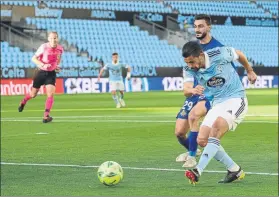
pixel 190 162
pixel 182 157
pixel 122 103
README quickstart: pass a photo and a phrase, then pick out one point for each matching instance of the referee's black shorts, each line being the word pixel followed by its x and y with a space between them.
pixel 42 77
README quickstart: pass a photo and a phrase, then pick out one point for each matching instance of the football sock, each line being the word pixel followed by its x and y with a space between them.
pixel 193 145
pixel 184 141
pixel 48 105
pixel 115 98
pixel 225 159
pixel 25 99
pixel 208 153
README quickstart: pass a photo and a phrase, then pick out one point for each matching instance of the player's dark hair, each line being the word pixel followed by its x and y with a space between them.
pixel 204 17
pixel 191 48
pixel 114 54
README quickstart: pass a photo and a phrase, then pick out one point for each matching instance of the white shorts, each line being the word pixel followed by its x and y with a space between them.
pixel 116 85
pixel 232 110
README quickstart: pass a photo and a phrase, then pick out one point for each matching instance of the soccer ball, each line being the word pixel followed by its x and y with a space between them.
pixel 110 173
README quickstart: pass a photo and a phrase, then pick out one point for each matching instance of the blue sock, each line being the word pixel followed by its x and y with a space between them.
pixel 121 96
pixel 208 153
pixel 184 141
pixel 225 159
pixel 115 98
pixel 193 144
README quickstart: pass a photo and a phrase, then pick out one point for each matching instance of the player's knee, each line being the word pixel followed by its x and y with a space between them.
pixel 179 132
pixel 218 126
pixel 202 141
pixel 33 94
pixel 50 94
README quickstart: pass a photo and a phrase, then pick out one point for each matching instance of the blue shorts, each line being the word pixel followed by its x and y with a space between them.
pixel 189 103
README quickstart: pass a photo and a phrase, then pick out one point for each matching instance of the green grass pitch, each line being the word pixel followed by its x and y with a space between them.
pixel 88 130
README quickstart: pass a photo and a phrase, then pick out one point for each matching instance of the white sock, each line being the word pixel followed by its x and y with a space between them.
pixel 234 168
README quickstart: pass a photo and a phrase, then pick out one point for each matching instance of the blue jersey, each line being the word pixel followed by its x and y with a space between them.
pixel 218 77
pixel 115 71
pixel 212 44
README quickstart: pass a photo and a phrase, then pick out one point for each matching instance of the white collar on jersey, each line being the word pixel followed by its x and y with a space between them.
pixel 114 63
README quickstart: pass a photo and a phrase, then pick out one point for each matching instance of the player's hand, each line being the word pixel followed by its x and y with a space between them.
pixel 58 69
pixel 46 65
pixel 252 77
pixel 128 77
pixel 198 90
pixel 98 80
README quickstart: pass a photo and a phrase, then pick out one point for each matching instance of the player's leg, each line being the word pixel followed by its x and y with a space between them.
pixel 197 112
pixel 211 143
pixel 112 87
pixel 121 91
pixel 218 121
pixel 50 90
pixel 38 80
pixel 181 129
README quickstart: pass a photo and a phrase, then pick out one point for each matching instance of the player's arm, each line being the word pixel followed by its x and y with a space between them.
pixel 35 59
pixel 232 54
pixel 129 69
pixel 242 59
pixel 190 90
pixel 101 72
pixel 188 87
pixel 58 68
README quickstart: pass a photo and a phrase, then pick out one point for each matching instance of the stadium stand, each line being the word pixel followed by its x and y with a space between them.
pixel 102 38
pixel 264 51
pixel 271 6
pixel 222 8
pixel 16 58
pixel 132 6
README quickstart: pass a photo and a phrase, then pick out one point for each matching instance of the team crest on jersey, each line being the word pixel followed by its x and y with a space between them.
pixel 216 81
pixel 183 113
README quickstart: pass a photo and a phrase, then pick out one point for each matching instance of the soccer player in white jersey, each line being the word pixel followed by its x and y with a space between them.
pixel 215 74
pixel 116 79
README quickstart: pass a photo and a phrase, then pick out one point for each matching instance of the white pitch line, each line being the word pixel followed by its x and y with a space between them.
pixel 127 121
pixel 130 168
pixel 121 116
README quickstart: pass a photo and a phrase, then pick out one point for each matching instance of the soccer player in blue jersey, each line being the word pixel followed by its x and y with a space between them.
pixel 215 75
pixel 115 79
pixel 195 107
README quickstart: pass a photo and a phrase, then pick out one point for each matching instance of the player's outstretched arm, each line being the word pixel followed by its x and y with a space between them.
pixel 252 77
pixel 100 74
pixel 129 69
pixel 58 68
